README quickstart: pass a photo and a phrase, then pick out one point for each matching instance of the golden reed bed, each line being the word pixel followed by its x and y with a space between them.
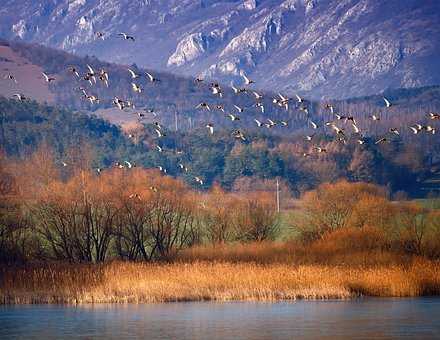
pixel 120 282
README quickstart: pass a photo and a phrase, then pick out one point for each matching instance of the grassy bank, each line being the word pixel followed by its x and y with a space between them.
pixel 121 282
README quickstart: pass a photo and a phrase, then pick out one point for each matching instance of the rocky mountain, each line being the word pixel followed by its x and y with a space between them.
pixel 322 48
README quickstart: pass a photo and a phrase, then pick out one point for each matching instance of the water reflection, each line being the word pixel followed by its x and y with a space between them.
pixel 366 318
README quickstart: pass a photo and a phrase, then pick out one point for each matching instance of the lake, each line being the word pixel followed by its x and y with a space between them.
pixel 417 318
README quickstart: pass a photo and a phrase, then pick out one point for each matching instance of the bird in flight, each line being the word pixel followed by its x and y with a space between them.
pixel 247 81
pixel 387 102
pixel 152 78
pixel 210 127
pixel 10 77
pixel 47 78
pixel 126 36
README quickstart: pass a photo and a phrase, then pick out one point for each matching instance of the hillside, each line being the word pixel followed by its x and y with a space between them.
pixel 331 48
pixel 174 99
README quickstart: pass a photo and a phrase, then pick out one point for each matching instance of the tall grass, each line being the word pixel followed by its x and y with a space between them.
pixel 124 282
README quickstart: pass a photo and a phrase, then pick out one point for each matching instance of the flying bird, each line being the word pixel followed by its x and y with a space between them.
pixel 73 70
pixel 151 77
pixel 47 78
pixel 136 88
pixel 20 97
pixel 247 81
pixel 126 36
pixel 10 77
pixel 239 109
pixel 133 74
pixel 387 102
pixel 210 127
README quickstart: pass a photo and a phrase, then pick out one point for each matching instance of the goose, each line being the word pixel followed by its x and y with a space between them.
pixel 375 118
pixel 433 115
pixel 184 168
pixel 305 154
pixel 338 130
pixel 128 103
pixel 103 76
pixel 261 106
pixel 100 35
pixel 47 78
pixel 162 169
pixel 381 140
pixel 20 97
pixel 414 130
pixel 217 91
pixel 270 123
pixel 351 119
pixel 247 81
pixel 119 103
pixel 259 124
pixel 309 137
pixel 159 148
pixel 73 70
pixel 129 165
pixel 160 133
pixel 10 77
pixel 300 100
pixel 233 117
pixel 198 80
pixel 239 135
pixel 220 107
pixel 133 74
pixel 126 36
pixel 355 128
pixel 305 109
pixel 90 75
pixel 257 95
pixel 198 180
pixel 387 102
pixel 284 123
pixel 361 141
pixel 151 77
pixel 64 164
pixel 431 129
pixel 93 99
pixel 136 88
pixel 330 107
pixel 210 127
pixel 320 149
pixel 98 170
pixel 153 188
pixel 157 124
pixel 119 165
pixel 239 109
pixel 314 125
pixel 237 90
pixel 394 130
pixel 140 115
pixel 203 105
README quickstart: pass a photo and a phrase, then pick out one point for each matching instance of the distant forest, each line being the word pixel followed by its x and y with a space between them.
pixel 402 164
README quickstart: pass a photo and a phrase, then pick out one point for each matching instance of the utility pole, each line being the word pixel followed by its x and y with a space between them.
pixel 278 196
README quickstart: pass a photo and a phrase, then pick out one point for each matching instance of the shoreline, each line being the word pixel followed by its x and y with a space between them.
pixel 126 283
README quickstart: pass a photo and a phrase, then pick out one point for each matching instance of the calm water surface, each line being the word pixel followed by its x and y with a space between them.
pixel 366 318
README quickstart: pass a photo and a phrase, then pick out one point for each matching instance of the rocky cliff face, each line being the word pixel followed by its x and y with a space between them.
pixel 333 48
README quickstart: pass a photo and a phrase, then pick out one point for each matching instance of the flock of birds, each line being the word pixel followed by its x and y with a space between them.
pixel 281 101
